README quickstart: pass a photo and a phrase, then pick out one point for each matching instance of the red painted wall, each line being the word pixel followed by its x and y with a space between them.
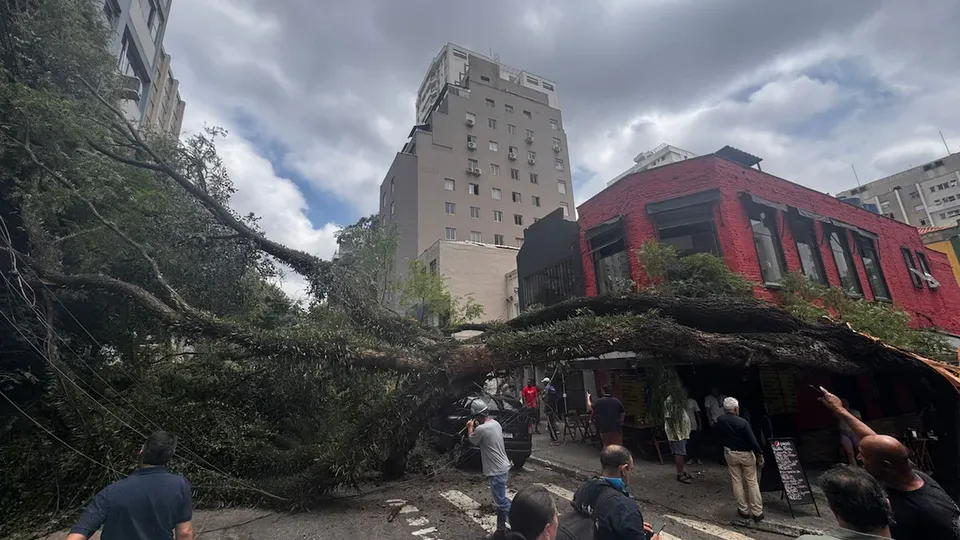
pixel 629 198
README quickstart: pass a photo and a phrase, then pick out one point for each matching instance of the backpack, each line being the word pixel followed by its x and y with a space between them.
pixel 576 526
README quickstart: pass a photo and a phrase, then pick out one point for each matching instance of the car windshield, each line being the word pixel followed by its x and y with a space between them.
pixel 495 403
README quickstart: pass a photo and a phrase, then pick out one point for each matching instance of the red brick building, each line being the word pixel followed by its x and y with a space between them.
pixel 764 226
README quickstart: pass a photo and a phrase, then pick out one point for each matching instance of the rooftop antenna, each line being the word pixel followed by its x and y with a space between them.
pixel 855 174
pixel 944 142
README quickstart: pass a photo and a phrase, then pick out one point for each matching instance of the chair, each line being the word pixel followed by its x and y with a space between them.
pixel 659 438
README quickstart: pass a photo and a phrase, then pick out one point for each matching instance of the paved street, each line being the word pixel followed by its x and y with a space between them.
pixel 454 505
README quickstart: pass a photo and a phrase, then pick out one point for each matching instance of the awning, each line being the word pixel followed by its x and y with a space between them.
pixel 605 227
pixel 763 202
pixel 682 202
pixel 810 215
pixel 854 228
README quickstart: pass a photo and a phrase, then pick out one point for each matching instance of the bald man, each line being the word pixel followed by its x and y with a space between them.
pixel 921 508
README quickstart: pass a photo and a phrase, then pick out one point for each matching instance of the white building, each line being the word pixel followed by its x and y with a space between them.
pixel 658 157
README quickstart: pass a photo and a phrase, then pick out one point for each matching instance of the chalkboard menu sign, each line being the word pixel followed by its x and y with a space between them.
pixel 793 479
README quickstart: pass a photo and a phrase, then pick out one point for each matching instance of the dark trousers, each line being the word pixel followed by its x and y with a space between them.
pixel 693 445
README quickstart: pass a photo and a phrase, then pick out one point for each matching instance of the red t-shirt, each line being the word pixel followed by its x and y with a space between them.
pixel 530 396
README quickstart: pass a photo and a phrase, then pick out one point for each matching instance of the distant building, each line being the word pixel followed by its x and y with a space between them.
pixel 486 160
pixel 549 265
pixel 924 196
pixel 166 109
pixel 946 240
pixel 658 157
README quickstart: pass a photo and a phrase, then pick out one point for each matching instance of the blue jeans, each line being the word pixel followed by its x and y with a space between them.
pixel 498 486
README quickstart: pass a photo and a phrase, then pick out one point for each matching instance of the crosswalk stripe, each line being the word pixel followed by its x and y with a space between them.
pixel 708 528
pixel 558 491
pixel 422 532
pixel 471 508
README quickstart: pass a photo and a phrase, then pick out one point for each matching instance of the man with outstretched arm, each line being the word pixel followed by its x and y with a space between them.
pixel 487 434
pixel 150 504
pixel 921 508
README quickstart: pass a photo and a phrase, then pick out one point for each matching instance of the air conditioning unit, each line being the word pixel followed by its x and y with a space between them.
pixel 512 155
pixel 469 122
pixel 130 87
pixel 471 145
pixel 473 170
pixel 529 139
pixel 556 148
pixel 531 160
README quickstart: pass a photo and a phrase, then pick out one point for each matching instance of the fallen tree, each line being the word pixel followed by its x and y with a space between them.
pixel 137 298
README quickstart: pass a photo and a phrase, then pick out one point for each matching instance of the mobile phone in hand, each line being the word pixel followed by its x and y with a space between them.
pixel 651 535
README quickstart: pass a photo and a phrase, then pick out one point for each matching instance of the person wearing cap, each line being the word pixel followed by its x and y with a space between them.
pixel 486 433
pixel 550 401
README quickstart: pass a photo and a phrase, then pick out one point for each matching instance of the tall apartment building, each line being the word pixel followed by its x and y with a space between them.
pixel 651 159
pixel 487 158
pixel 138 28
pixel 924 196
pixel 166 108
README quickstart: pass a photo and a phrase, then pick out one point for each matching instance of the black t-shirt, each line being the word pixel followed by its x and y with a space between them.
pixel 607 411
pixel 925 513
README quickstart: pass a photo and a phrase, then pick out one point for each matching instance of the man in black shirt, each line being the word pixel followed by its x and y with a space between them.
pixel 608 412
pixel 149 504
pixel 744 456
pixel 921 508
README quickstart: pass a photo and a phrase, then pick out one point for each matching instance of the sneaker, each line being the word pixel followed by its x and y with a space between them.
pixel 758 519
pixel 683 479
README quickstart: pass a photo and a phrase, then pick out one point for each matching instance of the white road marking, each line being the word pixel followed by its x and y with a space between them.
pixel 471 508
pixel 558 491
pixel 709 528
pixel 396 502
pixel 417 522
pixel 422 532
pixel 409 509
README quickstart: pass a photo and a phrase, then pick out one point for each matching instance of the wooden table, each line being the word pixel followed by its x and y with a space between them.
pixel 582 424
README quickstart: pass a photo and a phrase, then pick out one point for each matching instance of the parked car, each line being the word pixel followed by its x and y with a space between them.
pixel 450 435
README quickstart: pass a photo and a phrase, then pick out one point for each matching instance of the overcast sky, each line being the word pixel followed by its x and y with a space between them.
pixel 319 95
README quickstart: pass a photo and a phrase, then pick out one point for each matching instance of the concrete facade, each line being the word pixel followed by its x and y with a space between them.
pixel 166 109
pixel 924 196
pixel 138 28
pixel 455 178
pixel 484 272
pixel 946 240
pixel 722 187
pixel 658 157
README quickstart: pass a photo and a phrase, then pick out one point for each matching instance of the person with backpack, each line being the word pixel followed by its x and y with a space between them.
pixel 533 516
pixel 603 508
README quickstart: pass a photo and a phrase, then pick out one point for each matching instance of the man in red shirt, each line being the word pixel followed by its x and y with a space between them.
pixel 530 399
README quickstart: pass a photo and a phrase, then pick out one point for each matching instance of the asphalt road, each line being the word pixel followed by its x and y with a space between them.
pixel 454 505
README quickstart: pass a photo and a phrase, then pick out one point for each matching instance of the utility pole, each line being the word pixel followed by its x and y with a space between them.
pixel 944 142
pixel 855 174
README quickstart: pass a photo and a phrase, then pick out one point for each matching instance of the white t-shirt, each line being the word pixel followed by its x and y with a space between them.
pixel 692 409
pixel 714 406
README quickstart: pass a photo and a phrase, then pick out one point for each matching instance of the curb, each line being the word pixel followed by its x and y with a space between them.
pixel 785 529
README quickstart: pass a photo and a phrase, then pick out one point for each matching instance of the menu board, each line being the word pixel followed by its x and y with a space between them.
pixel 793 478
pixel 779 388
pixel 632 396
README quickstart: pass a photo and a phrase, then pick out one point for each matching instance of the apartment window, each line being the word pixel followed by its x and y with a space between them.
pixel 496 194
pixel 517 219
pixel 530 135
pixel 871 266
pixel 924 223
pixel 460 54
pixel 508 108
pixel 933 189
pixel 915 195
pixel 943 215
pixel 763 221
pixel 531 80
pixel 811 262
pixel 535 200
pixel 514 151
pixel 473 189
pixel 556 144
pixel 911 268
pixel 558 164
pixel 561 186
pixel 391 209
pixel 433 266
pixel 474 212
pixel 547 86
pixel 484 78
pixel 566 209
pixel 511 129
pixel 534 179
pixel 517 197
pixel 918 208
pixel 491 103
pixel 519 242
pixel 472 140
pixel 112 12
pixel 475 236
pixel 494 146
pixel 528 114
pixel 554 125
pixel 383 199
pixel 473 164
pixel 515 174
pixel 450 208
pixel 449 184
pixel 450 233
pixel 844 260
pixel 531 156
pixel 471 118
pixel 689 229
pixel 497 216
pixel 492 123
pixel 608 251
pixel 494 169
pixel 498 239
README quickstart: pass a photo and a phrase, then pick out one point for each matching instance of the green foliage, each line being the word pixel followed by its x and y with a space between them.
pixel 665 394
pixel 368 248
pixel 701 275
pixel 883 321
pixel 427 294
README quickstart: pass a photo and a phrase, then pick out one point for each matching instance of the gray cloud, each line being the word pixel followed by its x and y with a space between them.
pixel 334 82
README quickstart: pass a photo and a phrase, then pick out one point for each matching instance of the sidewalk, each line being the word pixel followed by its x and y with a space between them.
pixel 709 497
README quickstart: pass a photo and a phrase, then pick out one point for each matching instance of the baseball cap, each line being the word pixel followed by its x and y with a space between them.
pixel 545 380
